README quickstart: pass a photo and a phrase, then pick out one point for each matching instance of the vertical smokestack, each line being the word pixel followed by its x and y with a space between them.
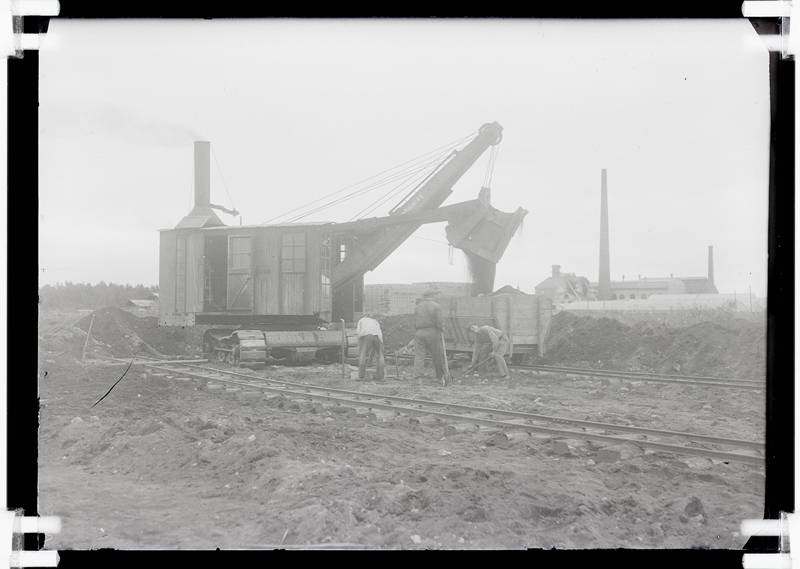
pixel 604 278
pixel 556 270
pixel 201 214
pixel 202 173
pixel 711 264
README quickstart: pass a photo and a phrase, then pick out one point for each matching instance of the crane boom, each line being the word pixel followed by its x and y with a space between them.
pixel 364 254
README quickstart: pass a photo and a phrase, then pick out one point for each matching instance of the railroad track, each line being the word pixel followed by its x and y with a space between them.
pixel 690 380
pixel 681 443
pixel 733 383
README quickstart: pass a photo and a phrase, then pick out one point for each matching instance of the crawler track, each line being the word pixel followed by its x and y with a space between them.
pixel 669 441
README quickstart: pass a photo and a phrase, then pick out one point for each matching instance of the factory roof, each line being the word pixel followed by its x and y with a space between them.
pixel 642 283
pixel 698 285
pixel 690 285
pixel 556 281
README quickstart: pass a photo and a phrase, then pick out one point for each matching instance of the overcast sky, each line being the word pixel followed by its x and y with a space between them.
pixel 677 111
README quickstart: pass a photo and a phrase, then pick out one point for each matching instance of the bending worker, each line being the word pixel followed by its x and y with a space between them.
pixel 428 337
pixel 490 342
pixel 370 339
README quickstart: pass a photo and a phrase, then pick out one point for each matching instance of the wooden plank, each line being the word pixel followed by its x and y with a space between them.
pixel 180 273
pixel 240 272
pixel 294 271
pixel 311 302
pixel 292 293
pixel 259 273
pixel 166 273
pixel 195 242
pixel 272 272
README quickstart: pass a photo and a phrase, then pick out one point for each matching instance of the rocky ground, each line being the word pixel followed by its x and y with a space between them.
pixel 172 465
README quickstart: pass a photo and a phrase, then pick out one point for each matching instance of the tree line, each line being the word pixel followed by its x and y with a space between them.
pixel 69 295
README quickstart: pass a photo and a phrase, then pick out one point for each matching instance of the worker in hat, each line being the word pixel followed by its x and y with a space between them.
pixel 490 342
pixel 428 336
pixel 370 340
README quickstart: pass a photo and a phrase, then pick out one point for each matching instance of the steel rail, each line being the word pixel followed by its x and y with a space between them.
pixel 358 400
pixel 641 374
pixel 753 385
pixel 505 412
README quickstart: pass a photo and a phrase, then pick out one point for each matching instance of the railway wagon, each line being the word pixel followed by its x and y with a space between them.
pixel 524 317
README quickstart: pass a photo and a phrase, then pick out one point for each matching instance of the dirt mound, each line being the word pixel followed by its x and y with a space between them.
pixel 397 330
pixel 725 348
pixel 116 332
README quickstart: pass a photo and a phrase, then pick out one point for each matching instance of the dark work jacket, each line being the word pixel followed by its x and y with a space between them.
pixel 428 314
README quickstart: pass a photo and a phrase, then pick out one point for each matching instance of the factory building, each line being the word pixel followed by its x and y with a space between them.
pixel 606 289
pixel 564 287
pixel 645 287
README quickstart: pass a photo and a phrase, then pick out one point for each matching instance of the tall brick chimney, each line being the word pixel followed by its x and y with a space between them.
pixel 604 277
pixel 556 270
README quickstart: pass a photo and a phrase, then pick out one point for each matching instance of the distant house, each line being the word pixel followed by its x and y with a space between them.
pixel 564 287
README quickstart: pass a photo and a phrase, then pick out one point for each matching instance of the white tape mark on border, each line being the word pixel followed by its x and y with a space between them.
pixel 10 524
pixel 12 40
pixel 788 526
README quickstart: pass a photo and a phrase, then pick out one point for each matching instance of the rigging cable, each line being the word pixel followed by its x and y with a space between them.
pixel 391 178
pixel 337 201
pixel 410 170
pixel 487 178
pixel 415 180
pixel 409 194
pixel 408 163
pixel 224 183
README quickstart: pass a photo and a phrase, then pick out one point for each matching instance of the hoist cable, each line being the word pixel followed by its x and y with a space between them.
pixel 224 183
pixel 446 147
pixel 392 193
pixel 389 179
pixel 410 193
pixel 410 170
pixel 487 178
pixel 494 154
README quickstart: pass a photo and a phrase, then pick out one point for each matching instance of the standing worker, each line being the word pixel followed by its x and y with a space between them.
pixel 490 342
pixel 370 339
pixel 428 337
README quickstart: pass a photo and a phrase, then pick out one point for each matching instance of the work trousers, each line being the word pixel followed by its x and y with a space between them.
pixel 367 345
pixel 485 350
pixel 428 340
